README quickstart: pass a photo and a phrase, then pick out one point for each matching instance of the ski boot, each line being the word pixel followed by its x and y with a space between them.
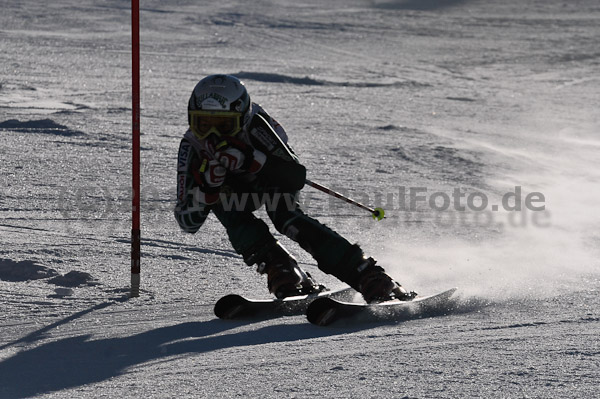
pixel 376 285
pixel 284 277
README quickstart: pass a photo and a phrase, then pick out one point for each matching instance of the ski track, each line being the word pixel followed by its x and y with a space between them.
pixel 375 95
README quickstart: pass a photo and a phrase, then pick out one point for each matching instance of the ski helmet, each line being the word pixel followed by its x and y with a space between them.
pixel 219 104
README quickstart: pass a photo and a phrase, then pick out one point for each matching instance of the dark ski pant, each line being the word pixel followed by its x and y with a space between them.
pixel 251 238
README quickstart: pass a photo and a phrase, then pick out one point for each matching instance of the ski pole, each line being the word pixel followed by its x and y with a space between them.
pixel 377 213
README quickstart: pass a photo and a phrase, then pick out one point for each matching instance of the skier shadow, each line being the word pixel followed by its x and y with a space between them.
pixel 80 360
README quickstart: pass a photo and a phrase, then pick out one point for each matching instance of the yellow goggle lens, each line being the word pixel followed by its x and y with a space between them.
pixel 204 123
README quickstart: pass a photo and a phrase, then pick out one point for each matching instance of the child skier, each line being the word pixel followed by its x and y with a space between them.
pixel 233 154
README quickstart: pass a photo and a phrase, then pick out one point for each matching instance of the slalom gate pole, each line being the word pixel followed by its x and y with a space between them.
pixel 377 213
pixel 135 160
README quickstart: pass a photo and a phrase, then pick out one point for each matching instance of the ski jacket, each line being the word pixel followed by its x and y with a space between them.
pixel 281 172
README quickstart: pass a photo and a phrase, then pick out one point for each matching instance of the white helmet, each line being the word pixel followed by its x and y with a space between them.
pixel 219 104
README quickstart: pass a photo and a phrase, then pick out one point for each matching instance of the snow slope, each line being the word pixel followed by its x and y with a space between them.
pixel 379 97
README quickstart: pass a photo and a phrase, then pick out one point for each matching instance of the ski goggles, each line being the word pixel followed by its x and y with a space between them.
pixel 221 123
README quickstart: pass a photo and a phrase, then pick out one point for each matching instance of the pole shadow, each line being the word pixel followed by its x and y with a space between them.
pixel 420 5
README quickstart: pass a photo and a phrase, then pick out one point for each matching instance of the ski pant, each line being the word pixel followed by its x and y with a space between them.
pixel 251 238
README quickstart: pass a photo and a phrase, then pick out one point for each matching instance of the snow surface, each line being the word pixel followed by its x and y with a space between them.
pixel 376 95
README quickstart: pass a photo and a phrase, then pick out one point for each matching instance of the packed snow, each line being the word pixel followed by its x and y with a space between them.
pixel 447 113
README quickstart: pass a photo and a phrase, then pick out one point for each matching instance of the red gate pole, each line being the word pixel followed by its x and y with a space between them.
pixel 135 216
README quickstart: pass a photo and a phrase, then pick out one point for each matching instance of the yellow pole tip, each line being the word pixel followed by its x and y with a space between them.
pixel 378 214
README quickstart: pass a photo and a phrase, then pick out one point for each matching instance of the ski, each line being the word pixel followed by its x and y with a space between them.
pixel 327 311
pixel 236 306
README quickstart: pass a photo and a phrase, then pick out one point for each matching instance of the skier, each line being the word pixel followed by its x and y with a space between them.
pixel 233 155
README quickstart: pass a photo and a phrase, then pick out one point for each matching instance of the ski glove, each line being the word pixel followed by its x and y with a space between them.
pixel 209 175
pixel 235 155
